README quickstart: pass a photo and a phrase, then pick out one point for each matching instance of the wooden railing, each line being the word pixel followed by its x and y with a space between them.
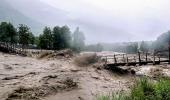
pixel 141 58
pixel 11 48
pixel 16 49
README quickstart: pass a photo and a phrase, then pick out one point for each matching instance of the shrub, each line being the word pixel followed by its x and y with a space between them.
pixel 145 89
pixel 114 96
pixel 142 90
pixel 107 97
pixel 162 89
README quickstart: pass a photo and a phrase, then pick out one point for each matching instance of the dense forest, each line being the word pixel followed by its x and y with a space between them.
pixel 52 38
pixel 58 38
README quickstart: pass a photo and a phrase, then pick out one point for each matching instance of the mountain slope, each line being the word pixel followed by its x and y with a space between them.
pixel 9 14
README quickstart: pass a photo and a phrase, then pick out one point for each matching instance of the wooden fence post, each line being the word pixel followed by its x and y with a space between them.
pixel 154 57
pixel 124 58
pixel 169 54
pixel 169 47
pixel 106 61
pixel 134 59
pixel 115 58
pixel 139 58
pixel 127 60
pixel 146 57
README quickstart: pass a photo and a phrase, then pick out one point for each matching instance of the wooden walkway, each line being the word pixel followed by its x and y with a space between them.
pixel 131 60
pixel 11 48
pixel 16 49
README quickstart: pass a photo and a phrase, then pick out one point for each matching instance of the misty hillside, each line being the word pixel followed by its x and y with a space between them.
pixel 8 13
pixel 40 11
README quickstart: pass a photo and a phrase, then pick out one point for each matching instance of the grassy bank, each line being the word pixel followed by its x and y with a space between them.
pixel 144 89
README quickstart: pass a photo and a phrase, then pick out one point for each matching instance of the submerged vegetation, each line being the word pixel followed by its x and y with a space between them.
pixel 144 89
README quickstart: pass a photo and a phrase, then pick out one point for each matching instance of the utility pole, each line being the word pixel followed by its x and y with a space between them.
pixel 139 58
pixel 169 45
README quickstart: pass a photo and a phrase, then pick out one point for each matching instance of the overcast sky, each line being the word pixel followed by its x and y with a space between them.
pixel 102 20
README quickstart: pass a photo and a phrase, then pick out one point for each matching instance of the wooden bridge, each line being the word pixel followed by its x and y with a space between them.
pixel 11 48
pixel 140 58
pixel 16 49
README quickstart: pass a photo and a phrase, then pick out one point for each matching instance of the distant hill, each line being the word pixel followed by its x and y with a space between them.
pixel 9 14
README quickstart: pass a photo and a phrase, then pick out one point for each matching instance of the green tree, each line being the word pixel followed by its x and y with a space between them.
pixel 132 48
pixel 162 42
pixel 66 37
pixel 57 38
pixel 78 40
pixel 46 39
pixel 94 47
pixel 37 41
pixel 8 33
pixel 3 30
pixel 24 35
pixel 99 47
pixel 31 38
pixel 144 46
pixel 41 43
pixel 11 33
pixel 61 37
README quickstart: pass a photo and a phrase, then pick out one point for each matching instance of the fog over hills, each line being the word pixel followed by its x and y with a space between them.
pixel 101 21
pixel 9 14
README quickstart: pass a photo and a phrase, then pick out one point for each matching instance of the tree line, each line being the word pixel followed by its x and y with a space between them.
pixel 58 38
pixel 134 47
pixel 162 43
pixel 55 38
